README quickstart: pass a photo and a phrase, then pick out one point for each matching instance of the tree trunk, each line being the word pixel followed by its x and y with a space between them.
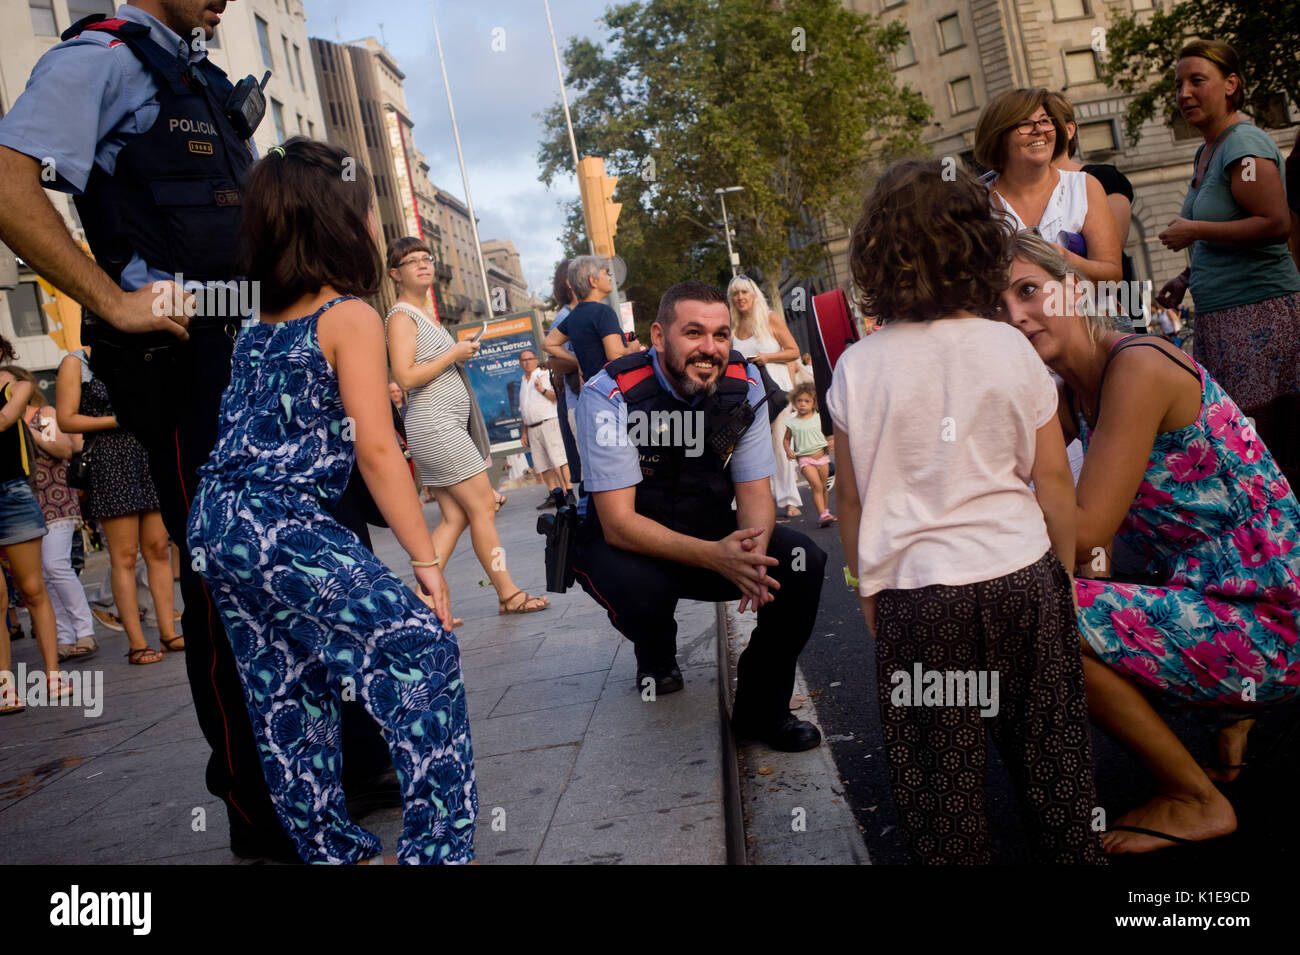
pixel 772 287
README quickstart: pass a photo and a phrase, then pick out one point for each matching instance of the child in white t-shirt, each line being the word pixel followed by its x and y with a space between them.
pixel 942 420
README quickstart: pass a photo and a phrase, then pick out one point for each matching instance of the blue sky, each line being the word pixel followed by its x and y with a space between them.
pixel 496 93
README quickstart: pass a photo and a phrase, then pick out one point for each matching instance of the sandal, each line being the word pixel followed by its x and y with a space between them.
pixel 10 702
pixel 169 643
pixel 59 687
pixel 137 657
pixel 792 511
pixel 522 606
pixel 69 650
pixel 501 501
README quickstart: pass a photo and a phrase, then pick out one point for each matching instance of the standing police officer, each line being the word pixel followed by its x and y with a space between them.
pixel 660 524
pixel 153 141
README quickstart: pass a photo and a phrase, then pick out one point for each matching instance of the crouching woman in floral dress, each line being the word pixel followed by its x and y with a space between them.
pixel 1174 472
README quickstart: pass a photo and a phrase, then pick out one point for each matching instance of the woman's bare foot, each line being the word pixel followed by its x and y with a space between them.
pixel 1188 817
pixel 1230 743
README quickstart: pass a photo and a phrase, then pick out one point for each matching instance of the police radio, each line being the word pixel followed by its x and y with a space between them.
pixel 245 106
pixel 723 428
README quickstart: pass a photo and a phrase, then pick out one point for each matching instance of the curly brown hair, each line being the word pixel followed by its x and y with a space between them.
pixel 928 244
pixel 803 388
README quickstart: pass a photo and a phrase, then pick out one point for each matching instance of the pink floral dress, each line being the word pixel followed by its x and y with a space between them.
pixel 1216 521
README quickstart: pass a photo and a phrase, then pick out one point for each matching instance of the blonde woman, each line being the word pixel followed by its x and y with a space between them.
pixel 762 336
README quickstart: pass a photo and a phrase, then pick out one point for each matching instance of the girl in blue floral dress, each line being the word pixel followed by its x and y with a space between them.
pixel 312 614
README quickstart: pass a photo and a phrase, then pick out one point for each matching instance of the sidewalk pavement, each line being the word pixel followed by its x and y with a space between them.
pixel 573 765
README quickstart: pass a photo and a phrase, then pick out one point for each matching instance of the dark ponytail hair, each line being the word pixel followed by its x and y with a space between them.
pixel 305 224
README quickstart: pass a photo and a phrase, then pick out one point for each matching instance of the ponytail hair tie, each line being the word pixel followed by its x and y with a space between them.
pixel 277 150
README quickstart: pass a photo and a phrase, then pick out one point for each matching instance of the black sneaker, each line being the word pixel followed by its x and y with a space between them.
pixel 547 503
pixel 569 499
pixel 788 735
pixel 666 681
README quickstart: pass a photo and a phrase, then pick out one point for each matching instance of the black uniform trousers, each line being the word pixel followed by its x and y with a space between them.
pixel 175 416
pixel 566 434
pixel 641 593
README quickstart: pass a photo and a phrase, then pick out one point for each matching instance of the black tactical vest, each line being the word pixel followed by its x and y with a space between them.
pixel 686 493
pixel 174 195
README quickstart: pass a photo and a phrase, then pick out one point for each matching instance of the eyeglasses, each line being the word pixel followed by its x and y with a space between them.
pixel 1028 127
pixel 528 359
pixel 419 260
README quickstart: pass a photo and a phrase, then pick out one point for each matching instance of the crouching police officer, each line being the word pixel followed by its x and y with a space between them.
pixel 660 525
pixel 152 140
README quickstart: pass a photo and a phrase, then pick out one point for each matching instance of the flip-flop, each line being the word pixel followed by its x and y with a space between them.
pixel 135 656
pixel 69 651
pixel 1179 840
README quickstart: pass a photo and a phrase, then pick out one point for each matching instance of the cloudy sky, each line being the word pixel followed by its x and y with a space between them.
pixel 496 93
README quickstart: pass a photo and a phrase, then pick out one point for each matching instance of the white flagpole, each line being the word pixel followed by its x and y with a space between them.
pixel 473 222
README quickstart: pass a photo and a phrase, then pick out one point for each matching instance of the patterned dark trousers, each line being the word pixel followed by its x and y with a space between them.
pixel 1022 628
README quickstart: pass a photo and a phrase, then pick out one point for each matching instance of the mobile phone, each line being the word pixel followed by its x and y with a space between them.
pixel 479 334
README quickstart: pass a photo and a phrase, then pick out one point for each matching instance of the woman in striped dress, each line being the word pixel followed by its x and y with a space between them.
pixel 424 359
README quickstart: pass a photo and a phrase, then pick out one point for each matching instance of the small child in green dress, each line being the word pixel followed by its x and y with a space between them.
pixel 808 446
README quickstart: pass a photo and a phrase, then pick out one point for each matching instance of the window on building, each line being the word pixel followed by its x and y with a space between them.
pixel 25 311
pixel 277 111
pixel 905 55
pixel 311 129
pixel 1183 129
pixel 890 4
pixel 1142 5
pixel 264 38
pixel 297 59
pixel 77 9
pixel 288 63
pixel 301 129
pixel 961 92
pixel 950 33
pixel 334 115
pixel 43 22
pixel 1097 137
pixel 1071 9
pixel 1080 67
pixel 1274 114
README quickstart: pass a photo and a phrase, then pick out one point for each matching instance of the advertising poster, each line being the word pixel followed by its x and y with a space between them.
pixel 495 375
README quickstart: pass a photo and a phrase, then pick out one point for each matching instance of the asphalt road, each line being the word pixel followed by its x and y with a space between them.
pixel 839 666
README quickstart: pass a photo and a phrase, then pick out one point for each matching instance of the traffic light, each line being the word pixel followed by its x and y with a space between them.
pixel 598 206
pixel 64 317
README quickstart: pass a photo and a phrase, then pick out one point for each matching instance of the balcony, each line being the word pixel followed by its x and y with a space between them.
pixel 442 271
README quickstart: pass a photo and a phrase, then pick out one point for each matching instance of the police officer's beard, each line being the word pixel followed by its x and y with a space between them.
pixel 687 386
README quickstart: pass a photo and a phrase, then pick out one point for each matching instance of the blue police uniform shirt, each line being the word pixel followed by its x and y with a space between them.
pixel 608 465
pixel 86 99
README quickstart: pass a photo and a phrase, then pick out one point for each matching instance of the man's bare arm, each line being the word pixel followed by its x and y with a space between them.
pixel 33 228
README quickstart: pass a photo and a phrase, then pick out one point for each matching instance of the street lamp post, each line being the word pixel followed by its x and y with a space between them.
pixel 732 257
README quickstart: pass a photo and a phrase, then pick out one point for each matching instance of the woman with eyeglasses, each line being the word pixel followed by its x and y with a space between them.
pixel 1018 137
pixel 445 436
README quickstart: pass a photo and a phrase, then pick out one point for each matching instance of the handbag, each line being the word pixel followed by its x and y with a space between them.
pixel 777 399
pixel 79 470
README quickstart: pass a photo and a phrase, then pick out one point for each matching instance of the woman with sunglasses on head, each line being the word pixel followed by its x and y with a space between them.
pixel 1242 278
pixel 762 336
pixel 425 362
pixel 1018 136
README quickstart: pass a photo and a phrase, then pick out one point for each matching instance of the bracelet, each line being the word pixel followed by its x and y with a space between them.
pixel 849 580
pixel 427 563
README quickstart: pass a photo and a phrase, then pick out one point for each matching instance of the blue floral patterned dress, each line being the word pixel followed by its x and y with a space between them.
pixel 312 614
pixel 1216 521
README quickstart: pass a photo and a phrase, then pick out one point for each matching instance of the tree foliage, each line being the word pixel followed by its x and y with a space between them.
pixel 794 101
pixel 1142 51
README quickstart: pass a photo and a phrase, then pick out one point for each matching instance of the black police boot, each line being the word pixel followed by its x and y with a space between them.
pixel 787 734
pixel 249 842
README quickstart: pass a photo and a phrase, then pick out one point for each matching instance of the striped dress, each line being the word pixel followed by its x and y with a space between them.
pixel 437 419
